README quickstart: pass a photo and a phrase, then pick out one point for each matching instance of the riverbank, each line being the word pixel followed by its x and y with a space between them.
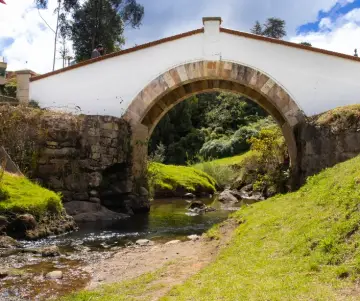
pixel 149 272
pixel 28 211
pixel 298 246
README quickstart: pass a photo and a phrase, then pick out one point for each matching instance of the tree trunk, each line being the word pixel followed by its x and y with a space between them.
pixel 56 33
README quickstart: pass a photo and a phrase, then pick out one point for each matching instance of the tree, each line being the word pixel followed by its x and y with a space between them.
pixel 64 7
pixel 257 29
pixel 306 44
pixel 274 28
pixel 103 22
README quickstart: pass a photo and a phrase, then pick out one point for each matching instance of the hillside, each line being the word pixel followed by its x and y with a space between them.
pixel 298 246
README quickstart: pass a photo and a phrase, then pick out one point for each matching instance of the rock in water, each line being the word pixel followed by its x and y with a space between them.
pixel 54 275
pixel 50 251
pixel 193 237
pixel 144 242
pixel 7 242
pixel 197 204
pixel 189 196
pixel 172 242
pixel 226 197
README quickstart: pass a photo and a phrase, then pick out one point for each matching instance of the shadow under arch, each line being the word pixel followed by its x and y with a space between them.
pixel 181 82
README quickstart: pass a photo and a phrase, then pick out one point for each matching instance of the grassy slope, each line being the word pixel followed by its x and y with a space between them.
pixel 171 177
pixel 23 196
pixel 230 161
pixel 299 246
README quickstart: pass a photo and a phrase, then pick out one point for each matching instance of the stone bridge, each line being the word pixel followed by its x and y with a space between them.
pixel 140 85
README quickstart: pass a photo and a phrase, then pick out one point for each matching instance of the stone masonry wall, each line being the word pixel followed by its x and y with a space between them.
pixel 75 155
pixel 322 146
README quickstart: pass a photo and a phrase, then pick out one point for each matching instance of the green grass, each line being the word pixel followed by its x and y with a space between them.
pixel 229 161
pixel 137 289
pixel 172 178
pixel 300 246
pixel 22 196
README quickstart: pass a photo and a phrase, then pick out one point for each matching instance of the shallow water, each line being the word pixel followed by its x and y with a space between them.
pixel 168 219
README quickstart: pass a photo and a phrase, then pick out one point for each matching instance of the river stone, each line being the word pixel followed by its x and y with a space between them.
pixel 197 204
pixel 193 237
pixel 172 242
pixel 91 212
pixel 3 273
pixel 189 196
pixel 143 191
pixel 50 251
pixel 54 275
pixel 144 242
pixel 25 222
pixel 226 197
pixel 7 242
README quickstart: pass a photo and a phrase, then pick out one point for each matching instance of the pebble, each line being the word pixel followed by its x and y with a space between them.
pixel 193 237
pixel 144 242
pixel 54 275
pixel 3 273
pixel 172 242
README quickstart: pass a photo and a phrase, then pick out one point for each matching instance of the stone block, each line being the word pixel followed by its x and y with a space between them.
pixel 95 179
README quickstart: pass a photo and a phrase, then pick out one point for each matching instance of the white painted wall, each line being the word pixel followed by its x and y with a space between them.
pixel 317 82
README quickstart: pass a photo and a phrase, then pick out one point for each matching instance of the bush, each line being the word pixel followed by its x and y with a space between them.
pixel 267 167
pixel 224 175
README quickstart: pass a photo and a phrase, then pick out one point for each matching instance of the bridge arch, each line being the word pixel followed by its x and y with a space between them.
pixel 178 83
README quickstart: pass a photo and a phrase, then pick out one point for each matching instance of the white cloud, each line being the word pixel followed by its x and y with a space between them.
pixel 343 35
pixel 33 41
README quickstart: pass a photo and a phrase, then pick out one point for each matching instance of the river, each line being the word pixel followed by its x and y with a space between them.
pixel 168 219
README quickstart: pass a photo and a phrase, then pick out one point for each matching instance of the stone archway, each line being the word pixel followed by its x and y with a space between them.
pixel 178 83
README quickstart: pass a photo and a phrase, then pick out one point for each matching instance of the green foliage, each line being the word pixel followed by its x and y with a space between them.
pixel 179 178
pixel 302 245
pixel 205 124
pixel 306 44
pixel 223 175
pixel 257 29
pixel 273 28
pixel 214 232
pixel 267 168
pixel 9 89
pixel 102 22
pixel 22 196
pixel 159 154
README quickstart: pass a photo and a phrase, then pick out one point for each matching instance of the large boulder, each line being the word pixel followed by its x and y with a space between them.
pixel 226 197
pixel 91 212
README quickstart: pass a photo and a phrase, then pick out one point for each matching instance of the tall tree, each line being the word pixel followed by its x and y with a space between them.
pixel 257 29
pixel 103 22
pixel 64 7
pixel 274 28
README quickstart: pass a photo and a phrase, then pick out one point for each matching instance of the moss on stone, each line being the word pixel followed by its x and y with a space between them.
pixel 172 180
pixel 20 196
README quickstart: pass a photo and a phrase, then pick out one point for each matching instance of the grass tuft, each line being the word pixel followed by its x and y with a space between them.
pixel 19 195
pixel 180 178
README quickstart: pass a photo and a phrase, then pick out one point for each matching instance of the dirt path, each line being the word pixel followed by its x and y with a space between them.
pixel 178 261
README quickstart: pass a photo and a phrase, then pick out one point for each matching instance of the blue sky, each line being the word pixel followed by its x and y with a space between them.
pixel 328 24
pixel 336 12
